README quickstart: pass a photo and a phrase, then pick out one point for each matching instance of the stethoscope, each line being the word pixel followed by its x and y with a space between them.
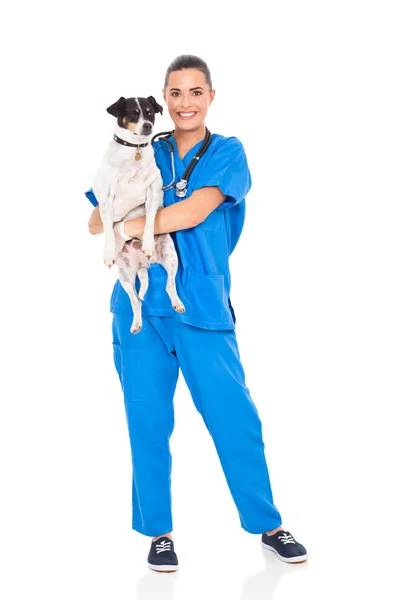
pixel 181 186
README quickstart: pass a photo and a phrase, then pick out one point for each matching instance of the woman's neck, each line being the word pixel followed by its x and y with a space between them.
pixel 188 139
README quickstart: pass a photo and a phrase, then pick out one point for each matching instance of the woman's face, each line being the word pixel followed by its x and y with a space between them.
pixel 188 107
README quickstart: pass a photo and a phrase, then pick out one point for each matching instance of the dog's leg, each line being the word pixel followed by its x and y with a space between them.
pixel 144 281
pixel 168 258
pixel 106 214
pixel 130 264
pixel 153 202
pixel 127 279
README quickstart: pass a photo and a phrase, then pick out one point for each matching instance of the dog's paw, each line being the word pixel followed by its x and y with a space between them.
pixel 136 327
pixel 179 307
pixel 109 262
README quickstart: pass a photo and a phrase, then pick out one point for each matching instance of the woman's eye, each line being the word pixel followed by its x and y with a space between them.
pixel 195 92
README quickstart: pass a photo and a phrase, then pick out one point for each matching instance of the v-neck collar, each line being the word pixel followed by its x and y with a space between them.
pixel 189 155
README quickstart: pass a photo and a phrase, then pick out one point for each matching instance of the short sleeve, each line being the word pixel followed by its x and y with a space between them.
pixel 90 195
pixel 228 169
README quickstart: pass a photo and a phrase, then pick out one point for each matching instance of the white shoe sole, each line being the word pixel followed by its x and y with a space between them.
pixel 293 559
pixel 163 568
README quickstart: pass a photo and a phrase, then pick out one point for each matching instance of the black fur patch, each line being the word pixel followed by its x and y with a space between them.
pixel 132 108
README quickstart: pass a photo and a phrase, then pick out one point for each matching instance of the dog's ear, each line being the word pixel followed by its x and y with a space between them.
pixel 157 107
pixel 115 108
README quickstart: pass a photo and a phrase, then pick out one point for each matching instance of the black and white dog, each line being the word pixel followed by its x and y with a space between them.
pixel 128 184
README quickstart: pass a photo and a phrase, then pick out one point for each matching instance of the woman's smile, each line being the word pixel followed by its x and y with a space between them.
pixel 187 115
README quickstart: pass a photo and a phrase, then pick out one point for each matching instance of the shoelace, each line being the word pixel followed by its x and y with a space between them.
pixel 162 546
pixel 286 538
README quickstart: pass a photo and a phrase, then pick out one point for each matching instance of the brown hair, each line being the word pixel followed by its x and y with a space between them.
pixel 188 61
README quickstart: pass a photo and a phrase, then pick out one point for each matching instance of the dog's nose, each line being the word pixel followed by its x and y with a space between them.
pixel 147 127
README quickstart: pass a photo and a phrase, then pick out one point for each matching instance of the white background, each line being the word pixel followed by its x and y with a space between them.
pixel 312 90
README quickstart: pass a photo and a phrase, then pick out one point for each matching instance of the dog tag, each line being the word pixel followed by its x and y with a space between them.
pixel 138 156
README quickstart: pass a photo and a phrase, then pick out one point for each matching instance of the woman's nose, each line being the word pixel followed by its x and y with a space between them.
pixel 186 102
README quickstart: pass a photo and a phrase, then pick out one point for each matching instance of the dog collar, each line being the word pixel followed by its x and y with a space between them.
pixel 120 141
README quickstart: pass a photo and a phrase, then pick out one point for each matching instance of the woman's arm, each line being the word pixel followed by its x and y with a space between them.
pixel 181 215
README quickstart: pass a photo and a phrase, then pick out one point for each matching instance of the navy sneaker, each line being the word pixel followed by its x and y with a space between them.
pixel 285 546
pixel 162 556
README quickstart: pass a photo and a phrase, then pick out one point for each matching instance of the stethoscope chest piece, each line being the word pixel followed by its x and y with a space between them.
pixel 180 188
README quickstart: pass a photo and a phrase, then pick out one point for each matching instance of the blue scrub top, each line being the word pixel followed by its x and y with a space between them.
pixel 203 279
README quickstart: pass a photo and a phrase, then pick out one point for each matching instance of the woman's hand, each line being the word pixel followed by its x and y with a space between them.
pixel 135 227
pixel 95 223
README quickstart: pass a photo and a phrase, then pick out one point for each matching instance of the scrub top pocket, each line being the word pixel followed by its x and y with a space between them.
pixel 207 294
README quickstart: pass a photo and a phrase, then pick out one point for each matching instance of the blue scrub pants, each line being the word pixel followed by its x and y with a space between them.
pixel 148 365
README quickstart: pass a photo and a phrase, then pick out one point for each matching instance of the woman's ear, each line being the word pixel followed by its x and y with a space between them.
pixel 115 108
pixel 157 107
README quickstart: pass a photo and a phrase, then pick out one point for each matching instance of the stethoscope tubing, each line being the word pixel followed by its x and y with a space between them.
pixel 171 149
pixel 180 187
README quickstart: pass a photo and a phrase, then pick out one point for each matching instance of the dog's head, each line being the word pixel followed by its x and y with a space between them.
pixel 136 114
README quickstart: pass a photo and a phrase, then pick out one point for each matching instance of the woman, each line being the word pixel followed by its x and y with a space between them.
pixel 205 227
